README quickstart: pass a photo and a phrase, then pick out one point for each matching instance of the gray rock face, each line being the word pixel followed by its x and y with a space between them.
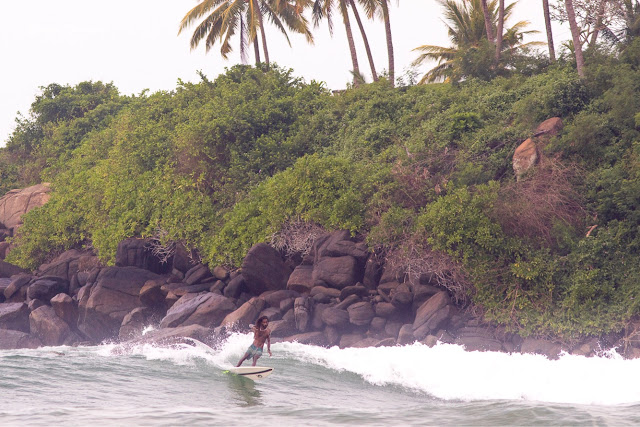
pixel 338 272
pixel 10 339
pixel 49 328
pixel 134 323
pixel 264 270
pixel 151 294
pixel 273 299
pixel 15 203
pixel 137 253
pixel 335 317
pixel 197 274
pixel 206 309
pixel 68 264
pixel 361 313
pixel 430 307
pixel 103 305
pixel 14 316
pixel 301 280
pixel 8 270
pixel 17 289
pixel 302 311
pixel 405 336
pixel 45 288
pixel 245 315
pixel 235 287
pixel 537 346
pixel 65 309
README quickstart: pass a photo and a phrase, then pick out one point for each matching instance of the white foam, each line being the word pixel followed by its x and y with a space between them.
pixel 448 372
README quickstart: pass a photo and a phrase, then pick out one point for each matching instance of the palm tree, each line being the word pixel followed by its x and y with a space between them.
pixel 224 18
pixel 488 24
pixel 547 24
pixel 575 35
pixel 325 9
pixel 381 8
pixel 365 40
pixel 499 34
pixel 467 31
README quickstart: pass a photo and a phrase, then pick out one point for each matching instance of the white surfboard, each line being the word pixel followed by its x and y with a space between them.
pixel 252 372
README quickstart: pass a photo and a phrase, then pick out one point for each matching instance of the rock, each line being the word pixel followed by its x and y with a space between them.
pixel 245 315
pixel 235 287
pixel 316 320
pixel 301 280
pixel 388 288
pixel 4 249
pixel 282 328
pixel 17 289
pixel 337 247
pixel 377 324
pixel 103 305
pixel 319 247
pixel 4 284
pixel 434 322
pixel 272 313
pixel 197 274
pixel 65 309
pixel 34 304
pixel 151 294
pixel 220 273
pixel 587 348
pixel 8 270
pixel 330 292
pixel 332 335
pixel 392 328
pixel 335 317
pixel 302 310
pixel 550 127
pixel 525 157
pixel 310 338
pixel 338 272
pixel 45 288
pixel 49 328
pixel 10 339
pixel 191 289
pixel 69 264
pixel 544 347
pixel 206 309
pixel 391 274
pixel 264 270
pixel 402 299
pixel 134 323
pixel 372 273
pixel 287 304
pixel 478 339
pixel 182 260
pixel 217 287
pixel 351 299
pixel 137 253
pixel 422 293
pixel 16 203
pixel 360 313
pixel 430 307
pixel 405 336
pixel 14 316
pixel 274 298
pixel 358 290
pixel 349 340
pixel 386 310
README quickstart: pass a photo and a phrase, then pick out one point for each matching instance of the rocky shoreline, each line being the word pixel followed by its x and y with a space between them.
pixel 337 295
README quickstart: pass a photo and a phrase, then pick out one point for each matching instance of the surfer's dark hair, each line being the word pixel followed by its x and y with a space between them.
pixel 260 319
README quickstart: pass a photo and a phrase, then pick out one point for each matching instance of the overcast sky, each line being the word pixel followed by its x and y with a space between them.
pixel 134 44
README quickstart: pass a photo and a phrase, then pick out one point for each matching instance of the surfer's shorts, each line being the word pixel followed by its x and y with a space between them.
pixel 254 351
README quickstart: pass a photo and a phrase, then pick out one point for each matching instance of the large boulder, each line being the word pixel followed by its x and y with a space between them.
pixel 206 309
pixel 49 328
pixel 68 264
pixel 134 323
pixel 275 298
pixel 14 316
pixel 301 280
pixel 18 202
pixel 245 315
pixel 10 339
pixel 361 313
pixel 8 270
pixel 538 346
pixel 197 274
pixel 525 157
pixel 17 289
pixel 65 309
pixel 430 308
pixel 264 270
pixel 138 253
pixel 478 339
pixel 548 128
pixel 335 317
pixel 45 288
pixel 302 310
pixel 338 272
pixel 103 305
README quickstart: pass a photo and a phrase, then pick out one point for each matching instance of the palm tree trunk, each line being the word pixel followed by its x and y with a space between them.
pixel 387 28
pixel 575 35
pixel 256 50
pixel 487 20
pixel 365 40
pixel 598 25
pixel 352 45
pixel 500 30
pixel 264 37
pixel 547 24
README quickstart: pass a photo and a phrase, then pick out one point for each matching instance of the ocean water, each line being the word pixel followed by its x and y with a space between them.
pixel 151 385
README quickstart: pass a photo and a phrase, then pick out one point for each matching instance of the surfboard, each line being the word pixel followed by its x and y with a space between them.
pixel 251 372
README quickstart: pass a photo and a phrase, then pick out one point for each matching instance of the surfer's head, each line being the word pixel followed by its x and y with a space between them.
pixel 262 322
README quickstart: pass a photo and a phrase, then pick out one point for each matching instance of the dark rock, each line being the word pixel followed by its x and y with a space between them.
pixel 45 288
pixel 286 305
pixel 344 247
pixel 372 273
pixel 385 309
pixel 217 287
pixel 349 340
pixel 264 270
pixel 134 252
pixel 316 321
pixel 478 339
pixel 8 270
pixel 35 303
pixel 405 336
pixel 134 323
pixel 191 289
pixel 390 274
pixel 301 280
pixel 537 346
pixel 310 338
pixel 103 306
pixel 274 298
pixel 197 274
pixel 319 248
pixel 282 328
pixel 182 260
pixel 4 284
pixel 378 324
pixel 14 316
pixel 65 309
pixel 392 328
pixel 430 307
pixel 434 322
pixel 358 290
pixel 332 335
pixel 290 316
pixel 235 287
pixel 335 317
pixel 330 292
pixel 245 315
pixel 50 329
pixel 11 339
pixel 402 299
pixel 388 288
pixel 4 249
pixel 421 293
pixel 69 264
pixel 302 309
pixel 220 273
pixel 272 313
pixel 351 299
pixel 206 309
pixel 361 313
pixel 151 294
pixel 337 272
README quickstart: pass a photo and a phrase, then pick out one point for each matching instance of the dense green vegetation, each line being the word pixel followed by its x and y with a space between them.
pixel 221 165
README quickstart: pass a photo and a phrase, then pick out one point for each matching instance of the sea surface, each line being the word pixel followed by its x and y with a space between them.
pixel 181 385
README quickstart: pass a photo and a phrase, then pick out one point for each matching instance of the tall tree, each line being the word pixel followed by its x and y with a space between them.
pixel 365 40
pixel 547 24
pixel 575 35
pixel 325 9
pixel 220 20
pixel 500 30
pixel 487 20
pixel 381 8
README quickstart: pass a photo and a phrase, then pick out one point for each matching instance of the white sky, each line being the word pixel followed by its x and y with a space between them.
pixel 134 44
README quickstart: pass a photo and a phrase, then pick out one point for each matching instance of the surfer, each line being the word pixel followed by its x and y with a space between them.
pixel 261 333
